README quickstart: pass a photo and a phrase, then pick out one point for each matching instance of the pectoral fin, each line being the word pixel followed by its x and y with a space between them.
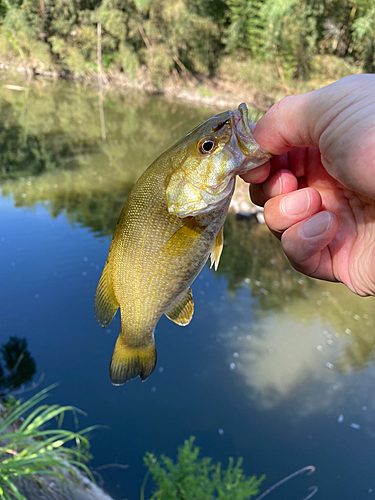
pixel 182 309
pixel 185 236
pixel 106 304
pixel 217 248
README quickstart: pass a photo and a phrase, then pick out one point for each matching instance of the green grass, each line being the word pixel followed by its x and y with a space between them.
pixel 31 450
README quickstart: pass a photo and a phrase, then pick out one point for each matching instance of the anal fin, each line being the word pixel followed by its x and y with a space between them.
pixel 181 311
pixel 217 248
pixel 106 304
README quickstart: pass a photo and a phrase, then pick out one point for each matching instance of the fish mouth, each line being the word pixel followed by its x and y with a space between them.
pixel 242 137
pixel 241 129
pixel 242 108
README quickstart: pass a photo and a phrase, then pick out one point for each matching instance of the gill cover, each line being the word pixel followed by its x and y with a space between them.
pixel 184 199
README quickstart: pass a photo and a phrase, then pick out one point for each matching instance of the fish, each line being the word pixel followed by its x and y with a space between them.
pixel 171 223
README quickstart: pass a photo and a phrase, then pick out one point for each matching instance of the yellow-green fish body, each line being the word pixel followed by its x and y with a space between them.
pixel 170 224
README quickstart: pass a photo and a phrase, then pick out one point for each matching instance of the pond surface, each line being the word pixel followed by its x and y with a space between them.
pixel 274 367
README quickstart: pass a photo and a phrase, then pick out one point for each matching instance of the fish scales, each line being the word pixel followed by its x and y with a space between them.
pixel 170 224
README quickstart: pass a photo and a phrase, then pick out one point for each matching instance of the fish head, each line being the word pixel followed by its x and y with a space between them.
pixel 206 161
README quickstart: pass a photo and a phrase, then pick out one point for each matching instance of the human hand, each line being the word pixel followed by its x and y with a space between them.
pixel 318 192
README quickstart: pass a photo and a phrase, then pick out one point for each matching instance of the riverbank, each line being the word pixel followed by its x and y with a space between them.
pixel 71 484
pixel 260 85
pixel 77 488
pixel 212 93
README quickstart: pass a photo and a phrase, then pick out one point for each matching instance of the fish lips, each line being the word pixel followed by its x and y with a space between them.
pixel 242 143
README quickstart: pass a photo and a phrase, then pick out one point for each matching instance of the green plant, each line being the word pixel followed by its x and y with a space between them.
pixel 155 39
pixel 245 31
pixel 192 478
pixel 30 451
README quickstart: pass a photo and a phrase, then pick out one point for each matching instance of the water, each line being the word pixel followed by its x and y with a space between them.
pixel 274 367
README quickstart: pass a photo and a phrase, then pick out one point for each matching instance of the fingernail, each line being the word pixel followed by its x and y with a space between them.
pixel 316 225
pixel 296 203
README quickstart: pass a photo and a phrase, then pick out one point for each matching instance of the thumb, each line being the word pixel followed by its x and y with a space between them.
pixel 286 125
pixel 300 120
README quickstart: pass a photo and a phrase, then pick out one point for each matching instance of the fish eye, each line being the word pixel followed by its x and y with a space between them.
pixel 207 145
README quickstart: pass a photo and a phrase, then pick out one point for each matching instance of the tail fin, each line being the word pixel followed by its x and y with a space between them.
pixel 128 362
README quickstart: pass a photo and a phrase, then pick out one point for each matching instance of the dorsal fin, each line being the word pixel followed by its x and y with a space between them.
pixel 217 248
pixel 106 304
pixel 181 311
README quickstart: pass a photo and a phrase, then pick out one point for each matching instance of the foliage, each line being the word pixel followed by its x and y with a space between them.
pixel 189 37
pixel 30 451
pixel 194 478
pixel 246 27
pixel 364 37
pixel 293 33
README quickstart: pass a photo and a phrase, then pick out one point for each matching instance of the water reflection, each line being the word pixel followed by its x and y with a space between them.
pixel 267 345
pixel 52 150
pixel 285 370
pixel 350 317
pixel 306 335
pixel 252 255
pixel 18 366
pixel 281 361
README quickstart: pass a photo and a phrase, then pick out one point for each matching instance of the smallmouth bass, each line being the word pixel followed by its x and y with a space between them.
pixel 171 223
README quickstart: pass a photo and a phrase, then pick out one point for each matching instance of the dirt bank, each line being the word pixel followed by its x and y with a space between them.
pixel 216 93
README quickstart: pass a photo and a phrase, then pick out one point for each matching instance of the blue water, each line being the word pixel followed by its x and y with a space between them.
pixel 259 374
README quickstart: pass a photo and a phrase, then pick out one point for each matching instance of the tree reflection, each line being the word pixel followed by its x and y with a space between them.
pixel 51 148
pixel 17 367
pixel 31 152
pixel 253 255
pixel 351 317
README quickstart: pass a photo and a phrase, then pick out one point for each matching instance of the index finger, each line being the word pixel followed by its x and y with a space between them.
pixel 295 160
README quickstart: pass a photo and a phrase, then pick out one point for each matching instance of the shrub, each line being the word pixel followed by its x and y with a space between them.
pixel 194 478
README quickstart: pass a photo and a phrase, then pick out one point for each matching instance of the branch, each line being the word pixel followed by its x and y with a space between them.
pixel 144 36
pixel 184 69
